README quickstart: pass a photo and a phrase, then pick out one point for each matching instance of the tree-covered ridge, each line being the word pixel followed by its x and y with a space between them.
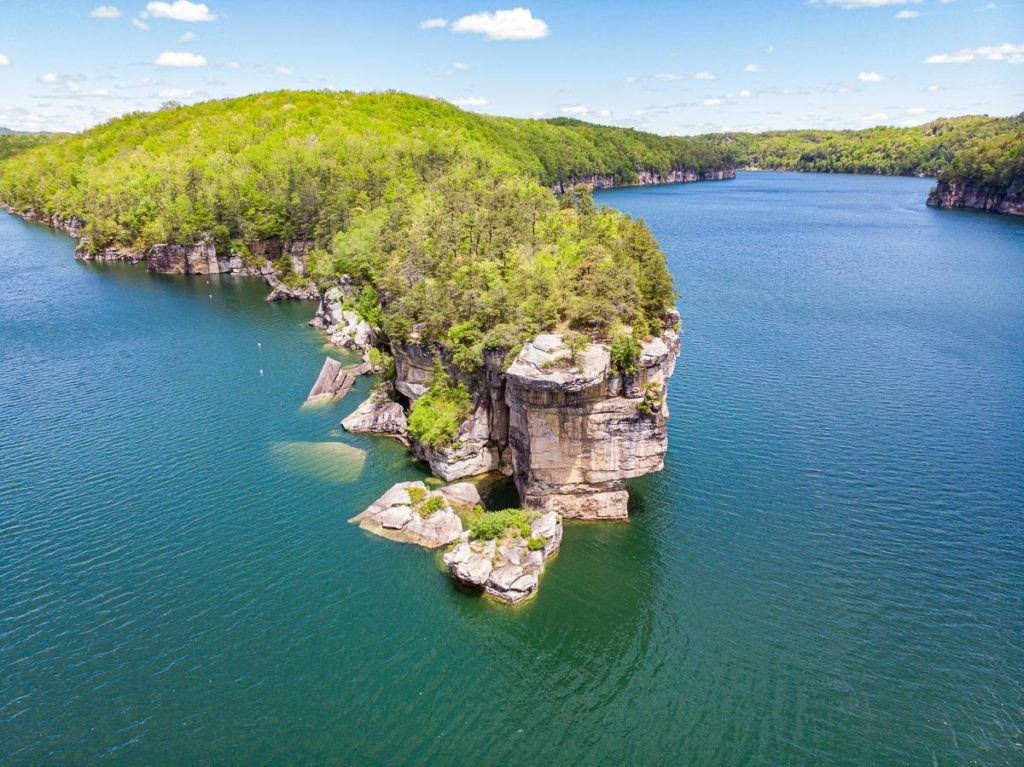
pixel 436 212
pixel 12 143
pixel 293 163
pixel 923 150
pixel 994 166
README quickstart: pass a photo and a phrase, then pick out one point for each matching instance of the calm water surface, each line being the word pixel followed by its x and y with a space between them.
pixel 829 570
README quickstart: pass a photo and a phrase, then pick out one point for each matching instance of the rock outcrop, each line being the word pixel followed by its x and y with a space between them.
pixel 965 195
pixel 643 178
pixel 378 414
pixel 508 568
pixel 333 382
pixel 471 452
pixel 283 292
pixel 410 513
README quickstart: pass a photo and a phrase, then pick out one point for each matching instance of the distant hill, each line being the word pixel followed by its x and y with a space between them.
pixel 922 150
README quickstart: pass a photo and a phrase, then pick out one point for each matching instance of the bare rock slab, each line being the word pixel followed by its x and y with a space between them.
pixel 333 382
pixel 402 514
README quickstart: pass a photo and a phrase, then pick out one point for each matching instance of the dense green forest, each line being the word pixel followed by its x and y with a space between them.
pixel 994 166
pixel 923 150
pixel 437 212
pixel 14 143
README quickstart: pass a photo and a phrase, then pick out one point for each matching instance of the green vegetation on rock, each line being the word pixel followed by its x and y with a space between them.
pixel 488 525
pixel 435 417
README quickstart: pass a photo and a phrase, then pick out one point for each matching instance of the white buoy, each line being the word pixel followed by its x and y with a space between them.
pixel 261 371
pixel 259 345
pixel 211 295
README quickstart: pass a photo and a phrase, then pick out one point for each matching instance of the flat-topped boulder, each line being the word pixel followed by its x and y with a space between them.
pixel 508 567
pixel 333 382
pixel 377 414
pixel 410 513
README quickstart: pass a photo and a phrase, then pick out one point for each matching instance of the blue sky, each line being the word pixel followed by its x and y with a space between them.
pixel 669 67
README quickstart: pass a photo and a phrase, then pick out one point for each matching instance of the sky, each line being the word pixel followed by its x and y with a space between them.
pixel 677 67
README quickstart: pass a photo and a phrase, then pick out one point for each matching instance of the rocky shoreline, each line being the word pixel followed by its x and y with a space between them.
pixel 954 195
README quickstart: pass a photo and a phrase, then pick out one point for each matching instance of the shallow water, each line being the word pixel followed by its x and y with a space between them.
pixel 829 570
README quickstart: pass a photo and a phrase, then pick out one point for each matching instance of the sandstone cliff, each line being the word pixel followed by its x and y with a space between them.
pixel 643 178
pixel 967 195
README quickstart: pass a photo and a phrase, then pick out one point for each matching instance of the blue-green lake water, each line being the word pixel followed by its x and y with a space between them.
pixel 830 569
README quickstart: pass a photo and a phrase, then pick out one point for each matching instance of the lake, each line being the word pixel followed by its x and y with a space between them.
pixel 830 569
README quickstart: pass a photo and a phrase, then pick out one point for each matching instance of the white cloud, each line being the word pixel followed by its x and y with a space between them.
pixel 871 77
pixel 513 24
pixel 752 68
pixel 668 77
pixel 770 49
pixel 188 37
pixel 844 89
pixel 745 94
pixel 914 111
pixel 933 88
pixel 140 24
pixel 604 113
pixel 179 59
pixel 284 70
pixel 577 110
pixel 459 66
pixel 51 78
pixel 233 65
pixel 705 76
pixel 4 61
pixel 537 114
pixel 470 101
pixel 1013 54
pixel 710 102
pixel 105 12
pixel 908 14
pixel 437 23
pixel 874 117
pixel 181 10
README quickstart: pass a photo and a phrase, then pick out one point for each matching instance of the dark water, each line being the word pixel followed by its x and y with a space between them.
pixel 830 570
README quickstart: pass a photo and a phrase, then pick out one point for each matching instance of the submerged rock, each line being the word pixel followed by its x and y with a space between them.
pixel 509 568
pixel 403 514
pixel 332 382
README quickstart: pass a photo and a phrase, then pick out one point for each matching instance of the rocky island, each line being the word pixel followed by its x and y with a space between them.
pixel 515 326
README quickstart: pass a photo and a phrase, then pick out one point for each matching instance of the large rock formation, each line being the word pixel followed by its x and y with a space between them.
pixel 578 430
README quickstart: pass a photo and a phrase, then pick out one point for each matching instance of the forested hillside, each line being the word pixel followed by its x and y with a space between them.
pixel 436 212
pixel 923 150
pixel 12 143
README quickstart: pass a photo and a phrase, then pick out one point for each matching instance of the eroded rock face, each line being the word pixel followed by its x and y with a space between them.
pixel 352 332
pixel 643 178
pixel 508 568
pixel 578 431
pixel 184 259
pixel 333 382
pixel 397 515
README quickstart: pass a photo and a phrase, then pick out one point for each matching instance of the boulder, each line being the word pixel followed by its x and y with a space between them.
pixel 283 292
pixel 350 331
pixel 378 414
pixel 332 382
pixel 461 493
pixel 396 515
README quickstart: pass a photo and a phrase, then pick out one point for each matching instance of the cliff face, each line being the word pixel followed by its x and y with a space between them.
pixel 571 432
pixel 643 178
pixel 967 195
